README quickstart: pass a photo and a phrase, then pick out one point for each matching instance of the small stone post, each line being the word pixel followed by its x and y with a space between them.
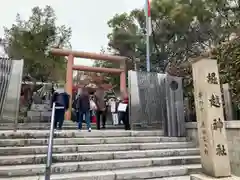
pixel 187 109
pixel 210 119
pixel 228 102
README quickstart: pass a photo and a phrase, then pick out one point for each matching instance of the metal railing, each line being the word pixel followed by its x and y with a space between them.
pixel 50 143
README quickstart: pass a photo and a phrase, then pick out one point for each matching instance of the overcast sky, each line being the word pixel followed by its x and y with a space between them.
pixel 87 18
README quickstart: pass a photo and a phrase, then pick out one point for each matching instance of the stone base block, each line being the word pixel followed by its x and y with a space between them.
pixel 205 177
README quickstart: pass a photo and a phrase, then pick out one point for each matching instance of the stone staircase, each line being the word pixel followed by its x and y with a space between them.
pixel 98 155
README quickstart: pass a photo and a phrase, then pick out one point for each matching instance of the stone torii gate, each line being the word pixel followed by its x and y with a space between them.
pixel 104 57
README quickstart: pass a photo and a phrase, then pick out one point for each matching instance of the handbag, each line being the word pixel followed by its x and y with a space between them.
pixel 94 119
pixel 122 107
pixel 93 106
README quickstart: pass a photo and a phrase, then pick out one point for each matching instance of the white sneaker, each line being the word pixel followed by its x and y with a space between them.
pixel 89 130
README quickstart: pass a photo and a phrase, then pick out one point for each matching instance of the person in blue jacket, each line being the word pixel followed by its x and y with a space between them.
pixel 61 99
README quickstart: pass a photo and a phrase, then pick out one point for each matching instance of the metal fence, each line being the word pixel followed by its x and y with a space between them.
pixel 11 81
pixel 156 102
pixel 5 73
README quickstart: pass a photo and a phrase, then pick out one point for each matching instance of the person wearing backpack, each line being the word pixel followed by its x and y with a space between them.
pixel 61 100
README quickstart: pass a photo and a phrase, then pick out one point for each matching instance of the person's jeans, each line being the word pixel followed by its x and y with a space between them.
pixel 87 119
pixel 59 118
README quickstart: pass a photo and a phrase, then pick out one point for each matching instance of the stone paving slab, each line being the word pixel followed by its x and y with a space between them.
pixel 127 174
pixel 93 156
pixel 89 141
pixel 93 148
pixel 205 177
pixel 75 133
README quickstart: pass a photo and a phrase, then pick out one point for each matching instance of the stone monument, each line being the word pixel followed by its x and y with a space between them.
pixel 211 129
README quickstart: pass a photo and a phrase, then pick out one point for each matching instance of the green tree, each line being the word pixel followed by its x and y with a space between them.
pixel 228 56
pixel 110 78
pixel 181 29
pixel 31 40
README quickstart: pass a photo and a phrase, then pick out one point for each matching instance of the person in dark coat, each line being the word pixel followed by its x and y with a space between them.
pixel 101 108
pixel 61 99
pixel 83 105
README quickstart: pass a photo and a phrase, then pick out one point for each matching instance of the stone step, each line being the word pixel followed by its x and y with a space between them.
pixel 172 178
pixel 40 124
pixel 122 174
pixel 70 167
pixel 44 126
pixel 75 134
pixel 94 156
pixel 43 123
pixel 64 127
pixel 87 140
pixel 4 151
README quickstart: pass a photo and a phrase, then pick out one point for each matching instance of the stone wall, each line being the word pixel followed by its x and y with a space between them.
pixel 233 137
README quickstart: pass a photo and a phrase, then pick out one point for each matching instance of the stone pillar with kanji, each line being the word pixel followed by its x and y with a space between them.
pixel 210 119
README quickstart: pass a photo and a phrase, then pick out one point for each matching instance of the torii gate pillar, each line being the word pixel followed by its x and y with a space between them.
pixel 123 78
pixel 70 67
pixel 69 84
